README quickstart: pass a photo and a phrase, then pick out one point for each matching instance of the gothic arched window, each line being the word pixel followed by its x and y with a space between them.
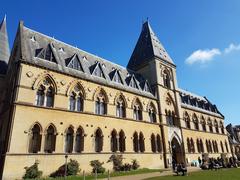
pixel 137 110
pixel 76 99
pixel 226 145
pixel 216 126
pixel 159 143
pixel 69 140
pixel 222 148
pixel 153 143
pixel 192 146
pixel 222 128
pixel 101 104
pixel 79 141
pixel 210 125
pixel 50 139
pixel 135 142
pixel 114 141
pixel 203 122
pixel 98 140
pixel 152 113
pixel 166 79
pixel 122 137
pixel 45 94
pixel 141 142
pixel 187 120
pixel 189 145
pixel 121 107
pixel 35 139
pixel 195 122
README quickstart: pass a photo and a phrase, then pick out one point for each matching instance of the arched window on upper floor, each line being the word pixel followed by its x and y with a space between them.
pixel 187 120
pixel 137 110
pixel 222 127
pixel 101 104
pixel 122 146
pixel 166 79
pixel 152 113
pixel 170 118
pixel 69 140
pixel 203 122
pixel 216 126
pixel 98 140
pixel 210 125
pixel 76 99
pixel 114 141
pixel 79 140
pixel 120 107
pixel 195 122
pixel 50 139
pixel 35 139
pixel 45 93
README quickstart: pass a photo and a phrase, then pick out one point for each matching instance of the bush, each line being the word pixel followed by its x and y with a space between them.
pixel 135 164
pixel 126 167
pixel 97 166
pixel 32 172
pixel 72 169
pixel 117 162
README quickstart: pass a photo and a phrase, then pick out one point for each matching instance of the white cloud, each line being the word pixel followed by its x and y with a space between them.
pixel 232 47
pixel 202 56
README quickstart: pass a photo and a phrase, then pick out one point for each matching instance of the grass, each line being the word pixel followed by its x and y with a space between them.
pixel 222 174
pixel 113 174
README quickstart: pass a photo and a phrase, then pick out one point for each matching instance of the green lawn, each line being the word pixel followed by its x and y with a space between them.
pixel 114 174
pixel 222 174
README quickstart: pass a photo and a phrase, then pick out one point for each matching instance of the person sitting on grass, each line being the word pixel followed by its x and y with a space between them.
pixel 182 168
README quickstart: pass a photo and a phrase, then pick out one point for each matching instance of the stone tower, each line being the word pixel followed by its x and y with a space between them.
pixel 151 60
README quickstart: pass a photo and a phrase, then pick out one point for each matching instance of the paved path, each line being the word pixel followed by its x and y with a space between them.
pixel 150 175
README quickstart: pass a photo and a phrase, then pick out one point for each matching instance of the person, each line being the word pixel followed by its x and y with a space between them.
pixel 199 161
pixel 182 168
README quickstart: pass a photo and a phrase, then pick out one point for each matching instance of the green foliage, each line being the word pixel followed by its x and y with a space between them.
pixel 32 172
pixel 97 166
pixel 72 169
pixel 117 162
pixel 135 164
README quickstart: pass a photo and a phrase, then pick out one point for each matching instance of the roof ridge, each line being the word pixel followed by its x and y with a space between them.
pixel 96 56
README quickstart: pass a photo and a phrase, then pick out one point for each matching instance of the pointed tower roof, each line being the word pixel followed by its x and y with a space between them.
pixel 147 47
pixel 4 44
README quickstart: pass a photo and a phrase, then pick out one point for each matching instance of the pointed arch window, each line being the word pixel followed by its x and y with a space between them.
pixel 187 120
pixel 114 141
pixel 166 79
pixel 141 142
pixel 210 125
pixel 222 148
pixel 50 140
pixel 69 140
pixel 122 137
pixel 100 104
pixel 203 122
pixel 137 110
pixel 159 144
pixel 192 145
pixel 152 113
pixel 120 107
pixel 76 99
pixel 35 139
pixel 216 126
pixel 98 140
pixel 226 145
pixel 79 141
pixel 135 142
pixel 195 122
pixel 153 143
pixel 189 145
pixel 45 94
pixel 222 128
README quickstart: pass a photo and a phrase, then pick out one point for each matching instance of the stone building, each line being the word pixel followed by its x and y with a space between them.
pixel 59 100
pixel 234 139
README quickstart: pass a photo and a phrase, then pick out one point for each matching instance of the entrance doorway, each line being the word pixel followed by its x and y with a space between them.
pixel 177 154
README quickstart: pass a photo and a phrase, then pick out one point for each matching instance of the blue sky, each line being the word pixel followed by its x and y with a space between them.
pixel 201 36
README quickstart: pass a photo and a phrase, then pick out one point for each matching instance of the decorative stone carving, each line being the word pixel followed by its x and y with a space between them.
pixel 63 82
pixel 29 74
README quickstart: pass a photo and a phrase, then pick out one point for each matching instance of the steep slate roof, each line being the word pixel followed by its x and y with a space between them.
pixel 191 100
pixel 233 133
pixel 35 42
pixel 4 47
pixel 147 47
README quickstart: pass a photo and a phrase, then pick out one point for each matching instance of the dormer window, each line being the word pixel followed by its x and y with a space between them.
pixel 133 82
pixel 117 78
pixel 98 71
pixel 46 53
pixel 74 63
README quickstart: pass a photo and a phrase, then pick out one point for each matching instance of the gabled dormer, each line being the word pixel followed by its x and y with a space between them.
pixel 133 82
pixel 147 87
pixel 98 71
pixel 74 63
pixel 46 53
pixel 116 77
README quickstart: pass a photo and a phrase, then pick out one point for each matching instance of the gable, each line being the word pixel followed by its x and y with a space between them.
pixel 74 63
pixel 46 54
